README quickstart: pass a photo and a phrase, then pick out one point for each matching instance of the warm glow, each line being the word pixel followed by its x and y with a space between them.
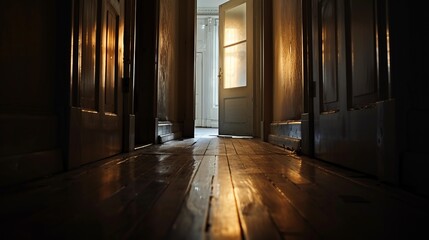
pixel 230 61
pixel 235 66
pixel 231 35
pixel 234 60
pixel 109 182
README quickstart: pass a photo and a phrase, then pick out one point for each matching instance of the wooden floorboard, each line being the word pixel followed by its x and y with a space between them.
pixel 254 216
pixel 210 188
pixel 157 223
pixel 191 222
pixel 223 221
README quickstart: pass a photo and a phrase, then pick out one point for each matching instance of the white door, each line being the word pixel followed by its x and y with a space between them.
pixel 236 68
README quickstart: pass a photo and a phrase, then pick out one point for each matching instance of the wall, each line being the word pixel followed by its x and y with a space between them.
pixel 287 78
pixel 409 78
pixel 34 43
pixel 175 73
pixel 168 59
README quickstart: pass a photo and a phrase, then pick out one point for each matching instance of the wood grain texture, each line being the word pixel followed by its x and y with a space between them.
pixel 210 188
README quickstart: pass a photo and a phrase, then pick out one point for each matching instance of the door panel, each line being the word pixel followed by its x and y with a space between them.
pixel 234 75
pixel 232 110
pixel 88 49
pixel 96 129
pixel 236 68
pixel 344 43
pixel 111 60
pixel 329 56
pixel 362 52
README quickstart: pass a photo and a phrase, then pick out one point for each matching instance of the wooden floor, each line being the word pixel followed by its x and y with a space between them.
pixel 211 188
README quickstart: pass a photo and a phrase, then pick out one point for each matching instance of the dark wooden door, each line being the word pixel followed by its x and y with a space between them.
pixel 96 117
pixel 349 74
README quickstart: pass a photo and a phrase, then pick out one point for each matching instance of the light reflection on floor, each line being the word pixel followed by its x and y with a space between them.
pixel 206 132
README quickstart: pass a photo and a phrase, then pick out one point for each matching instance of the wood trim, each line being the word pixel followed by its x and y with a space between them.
pixel 20 168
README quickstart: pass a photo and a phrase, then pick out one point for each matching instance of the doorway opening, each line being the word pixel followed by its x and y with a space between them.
pixel 207 65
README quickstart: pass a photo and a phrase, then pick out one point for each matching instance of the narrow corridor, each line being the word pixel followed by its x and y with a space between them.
pixel 210 188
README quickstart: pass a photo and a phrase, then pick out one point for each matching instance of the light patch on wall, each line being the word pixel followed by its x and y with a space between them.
pixel 167 65
pixel 287 93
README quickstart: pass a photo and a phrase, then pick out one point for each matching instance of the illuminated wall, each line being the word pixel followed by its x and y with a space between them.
pixel 168 60
pixel 287 77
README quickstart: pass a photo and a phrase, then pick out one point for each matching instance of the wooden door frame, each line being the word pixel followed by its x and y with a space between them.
pixel 309 86
pixel 262 107
pixel 128 80
pixel 266 69
pixel 145 72
pixel 187 64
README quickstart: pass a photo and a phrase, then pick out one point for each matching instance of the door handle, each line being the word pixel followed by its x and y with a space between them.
pixel 219 76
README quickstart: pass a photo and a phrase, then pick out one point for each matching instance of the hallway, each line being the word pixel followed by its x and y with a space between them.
pixel 210 188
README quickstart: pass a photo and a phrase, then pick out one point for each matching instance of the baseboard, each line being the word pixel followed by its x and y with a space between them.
pixel 27 133
pixel 168 131
pixel 168 137
pixel 293 144
pixel 21 168
pixel 286 134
